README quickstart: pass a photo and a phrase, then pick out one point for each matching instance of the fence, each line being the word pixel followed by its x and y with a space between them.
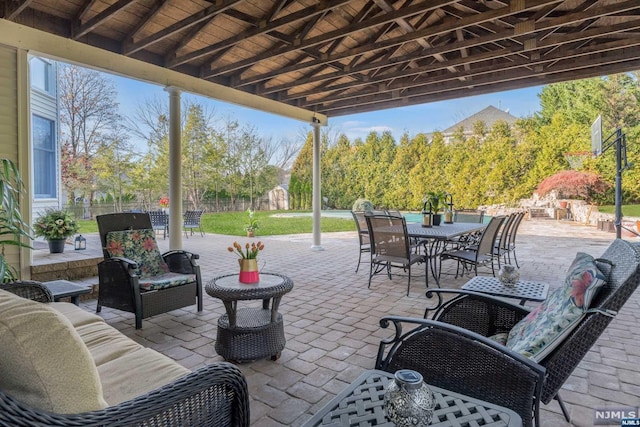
pixel 85 211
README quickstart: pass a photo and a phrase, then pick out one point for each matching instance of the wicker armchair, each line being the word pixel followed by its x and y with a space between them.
pixel 215 395
pixel 120 285
pixel 452 351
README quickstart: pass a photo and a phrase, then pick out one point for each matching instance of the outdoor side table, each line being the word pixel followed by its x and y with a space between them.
pixel 66 289
pixel 362 404
pixel 523 290
pixel 247 334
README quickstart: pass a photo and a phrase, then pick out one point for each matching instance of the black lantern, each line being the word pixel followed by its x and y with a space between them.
pixel 427 215
pixel 448 212
pixel 80 243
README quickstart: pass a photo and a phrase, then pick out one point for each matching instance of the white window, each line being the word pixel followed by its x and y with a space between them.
pixel 44 157
pixel 41 72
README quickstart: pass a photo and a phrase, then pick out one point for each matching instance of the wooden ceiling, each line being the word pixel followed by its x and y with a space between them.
pixel 339 57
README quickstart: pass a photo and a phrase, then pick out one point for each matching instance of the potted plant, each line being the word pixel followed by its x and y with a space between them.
pixel 252 225
pixel 436 199
pixel 12 227
pixel 55 225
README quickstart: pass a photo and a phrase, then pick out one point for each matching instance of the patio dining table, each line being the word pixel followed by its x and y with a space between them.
pixel 435 237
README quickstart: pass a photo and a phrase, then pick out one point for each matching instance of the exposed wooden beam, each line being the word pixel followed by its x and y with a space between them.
pixel 339 33
pixel 195 19
pixel 292 18
pixel 430 31
pixel 103 16
pixel 12 13
pixel 486 57
pixel 153 12
pixel 570 18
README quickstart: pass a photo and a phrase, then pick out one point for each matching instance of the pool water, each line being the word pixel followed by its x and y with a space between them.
pixel 409 216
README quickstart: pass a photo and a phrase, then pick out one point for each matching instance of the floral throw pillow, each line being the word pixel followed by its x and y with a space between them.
pixel 139 246
pixel 544 328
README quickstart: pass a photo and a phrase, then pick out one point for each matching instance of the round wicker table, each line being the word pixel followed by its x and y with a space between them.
pixel 248 334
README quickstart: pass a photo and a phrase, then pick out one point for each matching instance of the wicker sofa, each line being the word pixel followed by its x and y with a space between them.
pixel 63 366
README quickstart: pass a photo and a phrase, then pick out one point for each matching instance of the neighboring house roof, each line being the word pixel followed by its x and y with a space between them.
pixel 489 116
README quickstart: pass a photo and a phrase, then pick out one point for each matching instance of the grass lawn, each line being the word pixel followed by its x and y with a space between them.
pixel 233 223
pixel 627 210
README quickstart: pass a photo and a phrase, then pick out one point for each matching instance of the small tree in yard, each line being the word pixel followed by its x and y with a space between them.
pixel 574 184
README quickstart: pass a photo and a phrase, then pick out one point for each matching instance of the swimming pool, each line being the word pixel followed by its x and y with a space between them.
pixel 409 216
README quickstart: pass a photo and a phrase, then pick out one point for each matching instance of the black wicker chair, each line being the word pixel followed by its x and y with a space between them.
pixel 119 285
pixel 452 351
pixel 215 395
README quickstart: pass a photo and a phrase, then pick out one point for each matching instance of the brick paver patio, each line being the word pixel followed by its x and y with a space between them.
pixel 331 322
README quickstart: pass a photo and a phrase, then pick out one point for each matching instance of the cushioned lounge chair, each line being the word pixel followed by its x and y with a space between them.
pixel 135 277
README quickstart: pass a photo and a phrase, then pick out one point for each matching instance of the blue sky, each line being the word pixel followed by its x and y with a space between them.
pixel 415 119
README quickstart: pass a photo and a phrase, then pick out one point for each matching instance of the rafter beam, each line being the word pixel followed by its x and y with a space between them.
pixel 12 13
pixel 570 18
pixel 486 72
pixel 607 64
pixel 426 32
pixel 195 19
pixel 338 33
pixel 153 12
pixel 292 18
pixel 100 18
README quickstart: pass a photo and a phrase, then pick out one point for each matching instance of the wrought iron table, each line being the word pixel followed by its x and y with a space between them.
pixel 362 404
pixel 249 334
pixel 435 238
pixel 523 290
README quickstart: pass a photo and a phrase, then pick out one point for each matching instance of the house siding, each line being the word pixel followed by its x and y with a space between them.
pixel 45 105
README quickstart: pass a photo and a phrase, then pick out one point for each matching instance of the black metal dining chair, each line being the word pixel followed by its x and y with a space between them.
pixel 475 256
pixel 391 247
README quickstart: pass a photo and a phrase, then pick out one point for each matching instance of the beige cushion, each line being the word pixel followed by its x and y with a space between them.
pixel 43 361
pixel 75 314
pixel 136 373
pixel 105 343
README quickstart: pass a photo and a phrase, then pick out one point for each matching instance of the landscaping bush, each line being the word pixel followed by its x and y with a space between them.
pixel 571 184
pixel 362 205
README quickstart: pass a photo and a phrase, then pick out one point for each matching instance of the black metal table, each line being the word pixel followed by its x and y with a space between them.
pixel 523 290
pixel 66 289
pixel 436 236
pixel 249 334
pixel 362 404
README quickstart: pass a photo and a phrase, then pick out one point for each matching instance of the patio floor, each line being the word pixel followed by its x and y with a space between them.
pixel 331 321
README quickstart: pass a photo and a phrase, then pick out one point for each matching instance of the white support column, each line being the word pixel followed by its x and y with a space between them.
pixel 175 170
pixel 316 199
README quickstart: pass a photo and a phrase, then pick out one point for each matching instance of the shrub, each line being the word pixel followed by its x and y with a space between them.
pixel 574 184
pixel 362 205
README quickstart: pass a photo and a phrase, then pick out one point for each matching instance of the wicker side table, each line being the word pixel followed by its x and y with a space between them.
pixel 248 334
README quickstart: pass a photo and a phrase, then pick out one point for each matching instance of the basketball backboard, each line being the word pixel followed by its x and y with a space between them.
pixel 596 137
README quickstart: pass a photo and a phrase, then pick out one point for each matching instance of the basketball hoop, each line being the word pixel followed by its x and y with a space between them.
pixel 576 158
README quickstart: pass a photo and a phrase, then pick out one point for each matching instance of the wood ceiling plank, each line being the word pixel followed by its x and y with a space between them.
pixel 205 14
pixel 101 18
pixel 468 43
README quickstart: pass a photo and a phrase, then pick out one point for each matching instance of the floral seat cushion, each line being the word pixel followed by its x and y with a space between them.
pixel 140 246
pixel 544 328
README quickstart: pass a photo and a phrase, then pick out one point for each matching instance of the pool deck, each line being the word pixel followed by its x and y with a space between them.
pixel 331 321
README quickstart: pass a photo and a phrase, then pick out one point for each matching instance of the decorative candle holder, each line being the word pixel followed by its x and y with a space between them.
pixel 408 401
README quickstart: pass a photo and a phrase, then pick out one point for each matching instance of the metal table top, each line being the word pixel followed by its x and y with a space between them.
pixel 523 290
pixel 362 404
pixel 443 231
